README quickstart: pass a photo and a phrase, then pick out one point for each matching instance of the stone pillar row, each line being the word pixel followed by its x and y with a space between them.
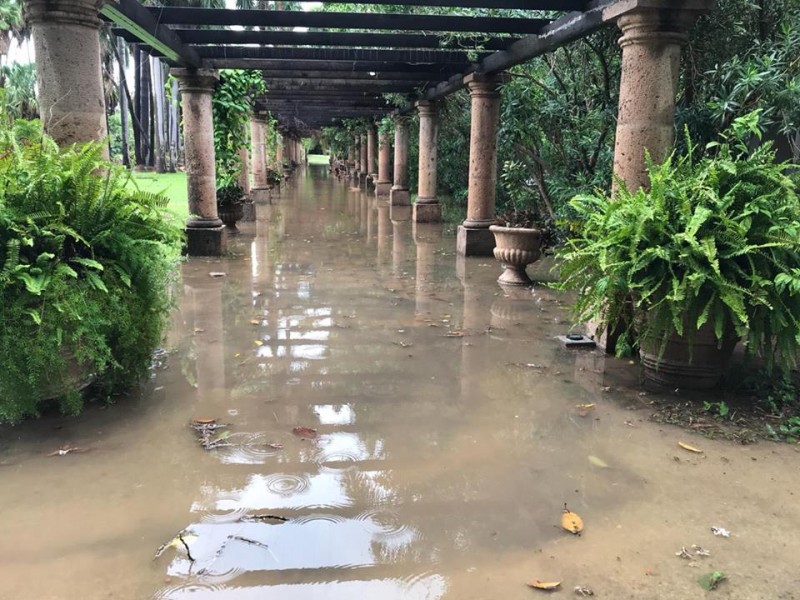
pixel 427 208
pixel 371 152
pixel 383 183
pixel 399 195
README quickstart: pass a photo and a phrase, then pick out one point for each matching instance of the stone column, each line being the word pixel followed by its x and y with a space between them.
pixel 249 208
pixel 652 41
pixel 474 237
pixel 203 228
pixel 371 152
pixel 426 208
pixel 259 155
pixel 383 183
pixel 356 155
pixel 398 195
pixel 279 155
pixel 363 170
pixel 66 39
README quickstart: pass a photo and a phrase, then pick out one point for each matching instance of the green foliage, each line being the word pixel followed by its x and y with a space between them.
pixel 715 240
pixel 232 105
pixel 84 268
pixel 19 84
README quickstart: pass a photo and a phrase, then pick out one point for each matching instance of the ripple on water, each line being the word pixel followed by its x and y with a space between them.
pixel 229 515
pixel 383 523
pixel 248 449
pixel 284 484
pixel 194 589
pixel 319 517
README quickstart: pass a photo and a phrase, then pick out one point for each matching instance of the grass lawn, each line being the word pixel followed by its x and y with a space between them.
pixel 171 185
pixel 318 159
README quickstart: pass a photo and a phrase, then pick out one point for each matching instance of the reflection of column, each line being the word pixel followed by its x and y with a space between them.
pixel 476 318
pixel 426 208
pixel 203 228
pixel 258 126
pixel 384 230
pixel 427 237
pixel 652 41
pixel 383 184
pixel 474 237
pixel 371 171
pixel 206 298
pixel 367 217
pixel 399 196
pixel 66 39
pixel 401 232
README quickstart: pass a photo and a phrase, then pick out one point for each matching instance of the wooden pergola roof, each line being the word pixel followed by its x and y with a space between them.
pixel 321 67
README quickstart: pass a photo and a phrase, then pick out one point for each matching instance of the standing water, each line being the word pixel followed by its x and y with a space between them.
pixel 398 428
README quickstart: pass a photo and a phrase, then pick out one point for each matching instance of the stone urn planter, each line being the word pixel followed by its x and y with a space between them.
pixel 516 248
pixel 230 215
pixel 699 365
pixel 75 378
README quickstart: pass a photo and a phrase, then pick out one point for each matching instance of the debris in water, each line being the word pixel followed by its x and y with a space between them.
pixel 544 585
pixel 571 521
pixel 255 322
pixel 403 344
pixel 690 448
pixel 721 531
pixel 598 462
pixel 710 581
pixel 454 334
pixel 305 432
pixel 216 274
pixel 260 518
pixel 584 409
pixel 583 591
pixel 692 551
pixel 181 541
pixel 258 342
pixel 67 449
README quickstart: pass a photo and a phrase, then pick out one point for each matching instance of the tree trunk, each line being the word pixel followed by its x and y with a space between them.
pixel 138 132
pixel 145 114
pixel 123 104
pixel 175 135
pixel 160 129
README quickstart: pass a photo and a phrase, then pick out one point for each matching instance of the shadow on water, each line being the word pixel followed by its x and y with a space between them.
pixel 447 442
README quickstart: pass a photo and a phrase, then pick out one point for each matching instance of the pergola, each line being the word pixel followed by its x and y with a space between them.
pixel 322 67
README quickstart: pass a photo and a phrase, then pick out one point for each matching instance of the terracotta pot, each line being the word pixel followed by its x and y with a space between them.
pixel 700 365
pixel 230 215
pixel 516 248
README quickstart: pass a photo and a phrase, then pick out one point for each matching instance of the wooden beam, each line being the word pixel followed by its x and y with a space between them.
pixel 342 20
pixel 560 32
pixel 362 66
pixel 436 57
pixel 358 85
pixel 357 75
pixel 135 19
pixel 326 38
pixel 550 5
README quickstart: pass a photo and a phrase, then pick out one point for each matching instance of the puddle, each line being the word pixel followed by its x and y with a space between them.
pixel 447 443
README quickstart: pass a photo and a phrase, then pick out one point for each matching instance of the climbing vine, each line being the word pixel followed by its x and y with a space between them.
pixel 232 105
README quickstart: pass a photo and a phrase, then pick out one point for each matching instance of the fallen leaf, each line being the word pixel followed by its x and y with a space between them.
pixel 690 448
pixel 584 406
pixel 571 521
pixel 255 322
pixel 544 585
pixel 306 432
pixel 217 274
pixel 203 421
pixel 275 446
pixel 582 590
pixel 721 532
pixel 454 334
pixel 710 581
pixel 258 342
pixel 598 462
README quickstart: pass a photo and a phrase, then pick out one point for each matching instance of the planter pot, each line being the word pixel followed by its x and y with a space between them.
pixel 699 366
pixel 76 378
pixel 230 215
pixel 516 248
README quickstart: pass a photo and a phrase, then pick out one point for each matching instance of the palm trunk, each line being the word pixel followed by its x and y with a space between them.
pixel 136 111
pixel 160 129
pixel 175 137
pixel 145 114
pixel 123 105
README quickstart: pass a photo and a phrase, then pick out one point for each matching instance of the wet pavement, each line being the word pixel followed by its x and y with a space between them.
pixel 448 440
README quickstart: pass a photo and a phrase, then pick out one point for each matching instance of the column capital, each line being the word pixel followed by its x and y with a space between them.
pixel 427 108
pixel 201 81
pixel 63 12
pixel 480 84
pixel 649 21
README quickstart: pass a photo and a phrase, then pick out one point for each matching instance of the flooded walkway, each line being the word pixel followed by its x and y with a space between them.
pixel 447 444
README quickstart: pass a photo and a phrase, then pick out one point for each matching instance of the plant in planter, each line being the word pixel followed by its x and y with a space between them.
pixel 85 265
pixel 230 203
pixel 519 237
pixel 710 254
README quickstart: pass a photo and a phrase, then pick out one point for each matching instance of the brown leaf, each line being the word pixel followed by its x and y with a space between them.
pixel 306 432
pixel 544 585
pixel 571 521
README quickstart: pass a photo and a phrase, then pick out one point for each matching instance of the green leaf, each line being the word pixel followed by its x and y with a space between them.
pixel 710 581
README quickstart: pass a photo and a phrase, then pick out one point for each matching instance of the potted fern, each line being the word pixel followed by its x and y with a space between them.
pixel 709 255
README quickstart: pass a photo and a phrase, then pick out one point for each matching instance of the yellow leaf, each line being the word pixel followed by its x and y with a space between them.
pixel 690 448
pixel 258 342
pixel 255 322
pixel 598 462
pixel 571 521
pixel 584 406
pixel 544 585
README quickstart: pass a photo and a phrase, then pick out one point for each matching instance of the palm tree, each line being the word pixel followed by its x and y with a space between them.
pixel 12 25
pixel 19 82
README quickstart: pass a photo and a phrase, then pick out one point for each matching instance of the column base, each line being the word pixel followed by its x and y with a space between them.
pixel 205 241
pixel 427 213
pixel 260 194
pixel 399 197
pixel 248 212
pixel 383 189
pixel 474 242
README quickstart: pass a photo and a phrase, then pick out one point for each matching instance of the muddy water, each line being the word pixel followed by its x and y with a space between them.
pixel 447 443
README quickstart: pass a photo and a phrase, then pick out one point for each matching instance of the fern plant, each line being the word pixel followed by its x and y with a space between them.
pixel 84 268
pixel 715 240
